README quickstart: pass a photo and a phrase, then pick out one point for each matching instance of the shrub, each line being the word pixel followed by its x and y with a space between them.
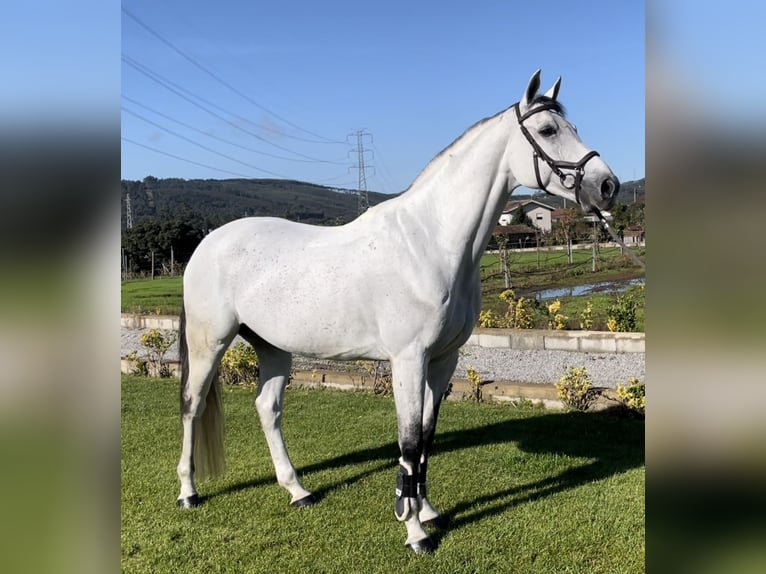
pixel 556 320
pixel 239 365
pixel 475 380
pixel 560 321
pixel 509 319
pixel 139 366
pixel 488 319
pixel 576 390
pixel 157 344
pixel 633 395
pixel 508 296
pixel 586 317
pixel 523 317
pixel 382 381
pixel 621 315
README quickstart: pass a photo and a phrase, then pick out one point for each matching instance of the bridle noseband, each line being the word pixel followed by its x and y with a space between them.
pixel 556 165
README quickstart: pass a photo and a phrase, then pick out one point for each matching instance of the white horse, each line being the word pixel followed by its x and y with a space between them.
pixel 399 283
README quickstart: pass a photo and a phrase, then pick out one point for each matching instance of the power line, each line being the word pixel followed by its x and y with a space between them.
pixel 203 146
pixel 234 60
pixel 193 162
pixel 389 177
pixel 216 77
pixel 168 85
pixel 223 140
pixel 178 157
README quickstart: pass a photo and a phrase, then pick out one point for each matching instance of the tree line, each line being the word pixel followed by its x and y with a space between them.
pixel 161 245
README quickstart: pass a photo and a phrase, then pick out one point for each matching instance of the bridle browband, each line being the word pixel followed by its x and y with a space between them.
pixel 556 165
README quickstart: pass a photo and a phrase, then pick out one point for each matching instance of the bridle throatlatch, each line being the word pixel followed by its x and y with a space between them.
pixel 571 181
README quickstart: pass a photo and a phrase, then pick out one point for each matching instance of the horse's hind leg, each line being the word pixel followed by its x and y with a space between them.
pixel 201 414
pixel 274 376
pixel 439 374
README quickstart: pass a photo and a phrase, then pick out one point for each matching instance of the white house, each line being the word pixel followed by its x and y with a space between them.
pixel 539 213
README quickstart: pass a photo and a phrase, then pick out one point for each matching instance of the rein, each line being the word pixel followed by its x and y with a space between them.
pixel 558 165
pixel 616 237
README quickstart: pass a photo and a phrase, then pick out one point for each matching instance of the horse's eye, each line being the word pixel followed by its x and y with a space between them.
pixel 547 131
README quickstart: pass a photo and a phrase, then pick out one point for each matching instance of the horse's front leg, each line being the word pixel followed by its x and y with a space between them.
pixel 409 382
pixel 439 374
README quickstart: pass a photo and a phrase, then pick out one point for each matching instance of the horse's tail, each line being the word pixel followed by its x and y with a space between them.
pixel 183 353
pixel 209 460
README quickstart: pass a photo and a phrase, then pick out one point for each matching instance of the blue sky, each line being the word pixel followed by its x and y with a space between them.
pixel 297 78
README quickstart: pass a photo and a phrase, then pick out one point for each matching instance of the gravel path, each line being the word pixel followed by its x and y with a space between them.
pixel 606 369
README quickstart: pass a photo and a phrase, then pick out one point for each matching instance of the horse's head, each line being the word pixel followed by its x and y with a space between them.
pixel 546 153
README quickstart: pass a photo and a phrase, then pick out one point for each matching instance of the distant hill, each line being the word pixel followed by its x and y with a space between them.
pixel 220 201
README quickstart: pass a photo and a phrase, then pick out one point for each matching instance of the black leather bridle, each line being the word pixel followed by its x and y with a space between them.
pixel 568 180
pixel 557 166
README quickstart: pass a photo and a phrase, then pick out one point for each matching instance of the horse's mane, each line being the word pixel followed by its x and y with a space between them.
pixel 556 107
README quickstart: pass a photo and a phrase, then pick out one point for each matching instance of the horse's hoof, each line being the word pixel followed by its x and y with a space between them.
pixel 439 522
pixel 189 502
pixel 304 502
pixel 425 546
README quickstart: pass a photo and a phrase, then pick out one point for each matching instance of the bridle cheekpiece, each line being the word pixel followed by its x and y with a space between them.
pixel 568 180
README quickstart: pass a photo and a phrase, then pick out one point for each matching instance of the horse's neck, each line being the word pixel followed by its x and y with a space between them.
pixel 461 193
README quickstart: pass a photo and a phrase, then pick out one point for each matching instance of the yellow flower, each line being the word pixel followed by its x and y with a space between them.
pixel 508 295
pixel 487 319
pixel 554 307
pixel 633 395
pixel 611 324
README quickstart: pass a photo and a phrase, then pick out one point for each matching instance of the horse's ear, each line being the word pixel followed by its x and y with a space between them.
pixel 532 87
pixel 553 93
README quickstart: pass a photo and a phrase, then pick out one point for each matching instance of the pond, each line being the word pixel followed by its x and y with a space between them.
pixel 588 289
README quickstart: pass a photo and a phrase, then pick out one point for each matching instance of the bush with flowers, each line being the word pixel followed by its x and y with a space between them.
pixel 576 390
pixel 239 365
pixel 633 395
pixel 556 320
pixel 157 343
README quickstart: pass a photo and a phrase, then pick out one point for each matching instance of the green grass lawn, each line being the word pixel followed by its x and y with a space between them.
pixel 531 270
pixel 548 258
pixel 525 490
pixel 160 296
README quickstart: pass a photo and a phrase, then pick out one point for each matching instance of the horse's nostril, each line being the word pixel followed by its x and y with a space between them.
pixel 609 188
